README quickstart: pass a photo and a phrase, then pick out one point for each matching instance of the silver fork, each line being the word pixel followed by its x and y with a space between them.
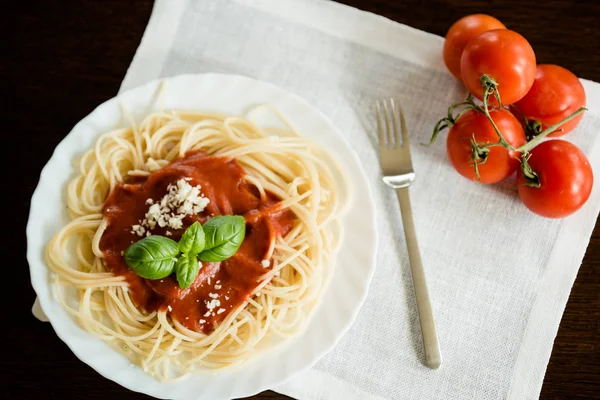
pixel 398 173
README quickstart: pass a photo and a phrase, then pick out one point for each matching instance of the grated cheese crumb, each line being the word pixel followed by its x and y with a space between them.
pixel 213 295
pixel 207 314
pixel 176 222
pixel 217 287
pixel 181 199
pixel 211 305
pixel 220 311
pixel 202 321
pixel 138 230
pixel 170 308
pixel 265 263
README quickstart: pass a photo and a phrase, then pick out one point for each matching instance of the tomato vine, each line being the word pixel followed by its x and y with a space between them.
pixel 535 134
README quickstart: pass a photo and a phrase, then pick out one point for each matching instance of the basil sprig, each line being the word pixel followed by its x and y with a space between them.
pixel 156 257
pixel 153 257
pixel 192 240
pixel 223 236
pixel 186 269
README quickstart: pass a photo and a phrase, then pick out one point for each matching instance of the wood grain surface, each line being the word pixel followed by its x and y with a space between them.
pixel 60 59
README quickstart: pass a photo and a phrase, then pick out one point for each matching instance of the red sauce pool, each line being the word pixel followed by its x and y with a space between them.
pixel 231 281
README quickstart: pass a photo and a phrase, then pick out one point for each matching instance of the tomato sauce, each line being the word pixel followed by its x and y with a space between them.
pixel 231 281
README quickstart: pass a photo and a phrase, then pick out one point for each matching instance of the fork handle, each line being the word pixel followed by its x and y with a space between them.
pixel 430 341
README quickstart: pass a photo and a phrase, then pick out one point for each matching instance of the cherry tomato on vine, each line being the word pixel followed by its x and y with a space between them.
pixel 460 33
pixel 556 93
pixel 565 177
pixel 503 55
pixel 500 162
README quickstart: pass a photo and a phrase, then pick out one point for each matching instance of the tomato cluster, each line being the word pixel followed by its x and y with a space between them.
pixel 519 104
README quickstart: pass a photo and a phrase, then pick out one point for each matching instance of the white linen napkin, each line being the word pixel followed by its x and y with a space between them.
pixel 499 276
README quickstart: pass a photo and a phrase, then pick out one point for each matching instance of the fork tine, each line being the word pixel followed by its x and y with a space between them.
pixel 380 127
pixel 389 124
pixel 403 125
pixel 396 123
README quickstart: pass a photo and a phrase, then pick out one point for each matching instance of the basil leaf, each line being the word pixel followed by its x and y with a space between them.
pixel 186 268
pixel 223 237
pixel 153 257
pixel 192 240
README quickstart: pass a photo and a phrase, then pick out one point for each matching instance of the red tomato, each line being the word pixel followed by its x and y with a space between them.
pixel 556 93
pixel 459 35
pixel 503 55
pixel 565 176
pixel 501 162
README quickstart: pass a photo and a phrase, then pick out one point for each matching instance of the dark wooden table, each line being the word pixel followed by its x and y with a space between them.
pixel 60 59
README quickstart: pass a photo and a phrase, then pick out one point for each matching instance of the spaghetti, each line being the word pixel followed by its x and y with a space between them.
pixel 277 163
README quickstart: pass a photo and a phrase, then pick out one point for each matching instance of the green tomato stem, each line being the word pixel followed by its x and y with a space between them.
pixel 535 141
pixel 450 120
pixel 490 86
pixel 531 177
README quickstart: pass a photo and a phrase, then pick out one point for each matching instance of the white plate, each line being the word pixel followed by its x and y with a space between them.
pixel 233 95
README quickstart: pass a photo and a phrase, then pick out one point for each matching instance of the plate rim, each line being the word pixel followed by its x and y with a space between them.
pixel 67 337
